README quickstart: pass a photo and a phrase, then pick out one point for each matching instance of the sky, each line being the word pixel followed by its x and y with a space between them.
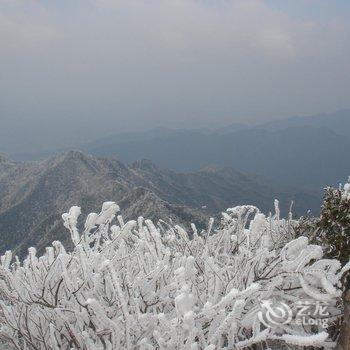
pixel 75 70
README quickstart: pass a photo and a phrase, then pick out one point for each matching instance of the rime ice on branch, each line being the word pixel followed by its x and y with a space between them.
pixel 135 285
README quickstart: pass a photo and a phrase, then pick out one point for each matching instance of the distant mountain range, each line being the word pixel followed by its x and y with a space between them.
pixel 33 195
pixel 338 122
pixel 309 152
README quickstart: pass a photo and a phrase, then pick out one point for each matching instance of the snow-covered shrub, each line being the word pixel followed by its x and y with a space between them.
pixel 332 227
pixel 332 230
pixel 135 285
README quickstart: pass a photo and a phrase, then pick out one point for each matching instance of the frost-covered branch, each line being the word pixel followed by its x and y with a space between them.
pixel 135 285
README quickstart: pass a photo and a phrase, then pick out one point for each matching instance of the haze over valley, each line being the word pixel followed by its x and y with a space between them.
pixel 175 174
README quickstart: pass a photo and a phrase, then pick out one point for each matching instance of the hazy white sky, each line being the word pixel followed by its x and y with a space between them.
pixel 81 67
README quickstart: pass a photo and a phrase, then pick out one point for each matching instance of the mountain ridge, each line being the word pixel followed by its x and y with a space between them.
pixel 305 152
pixel 35 194
pixel 307 156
